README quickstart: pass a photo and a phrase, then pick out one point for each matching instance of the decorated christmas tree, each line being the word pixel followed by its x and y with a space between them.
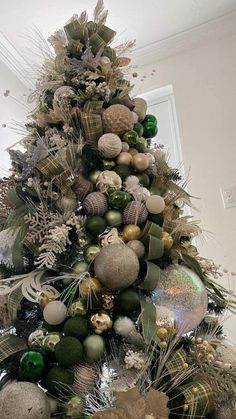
pixel 107 308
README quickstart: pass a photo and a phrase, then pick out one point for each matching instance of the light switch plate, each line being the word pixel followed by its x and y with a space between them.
pixel 228 196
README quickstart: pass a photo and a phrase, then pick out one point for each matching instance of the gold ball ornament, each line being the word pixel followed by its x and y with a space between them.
pixel 155 204
pixel 133 151
pixel 140 162
pixel 162 333
pixel 124 158
pixel 131 232
pixel 44 299
pixel 117 119
pixel 89 285
pixel 167 240
pixel 163 344
pixel 78 308
pixel 101 322
pixel 109 145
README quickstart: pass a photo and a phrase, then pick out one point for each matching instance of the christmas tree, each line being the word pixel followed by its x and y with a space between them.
pixel 107 308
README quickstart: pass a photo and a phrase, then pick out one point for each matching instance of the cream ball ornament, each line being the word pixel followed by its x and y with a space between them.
pixel 140 108
pixel 116 266
pixel 109 145
pixel 155 204
pixel 117 119
pixel 124 158
pixel 140 162
pixel 55 312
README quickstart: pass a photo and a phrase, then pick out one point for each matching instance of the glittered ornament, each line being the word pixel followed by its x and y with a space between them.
pixel 74 407
pixel 85 377
pixel 78 308
pixel 119 199
pixel 32 366
pixel 181 291
pixel 94 348
pixel 68 351
pixel 131 138
pixel 107 301
pixel 131 232
pixel 124 158
pixel 76 327
pixel 109 145
pixel 113 218
pixel 140 108
pixel 95 225
pixel 135 213
pixel 117 119
pixel 116 266
pixel 50 341
pixel 23 400
pixel 101 322
pixel 138 247
pixel 82 187
pixel 89 285
pixel 57 379
pixel 140 162
pixel 55 312
pixel 95 204
pixel 108 180
pixel 150 130
pixel 91 251
pixel 155 204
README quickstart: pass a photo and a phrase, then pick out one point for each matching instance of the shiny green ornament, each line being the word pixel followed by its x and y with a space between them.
pixel 74 407
pixel 123 171
pixel 91 251
pixel 119 199
pixel 130 137
pixel 80 267
pixel 31 366
pixel 94 175
pixel 58 375
pixel 144 179
pixel 94 348
pixel 150 118
pixel 128 301
pixel 95 225
pixel 50 341
pixel 108 164
pixel 78 308
pixel 150 130
pixel 68 351
pixel 141 144
pixel 138 128
pixel 76 327
pixel 114 218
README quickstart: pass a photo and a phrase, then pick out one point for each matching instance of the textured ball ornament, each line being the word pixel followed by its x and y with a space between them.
pixel 31 366
pixel 138 247
pixel 91 251
pixel 58 375
pixel 108 180
pixel 74 407
pixel 76 327
pixel 85 377
pixel 113 218
pixel 140 162
pixel 95 225
pixel 117 266
pixel 182 291
pixel 78 308
pixel 131 232
pixel 101 322
pixel 82 187
pixel 94 348
pixel 124 158
pixel 117 119
pixel 68 351
pixel 155 204
pixel 95 204
pixel 50 341
pixel 135 213
pixel 55 313
pixel 109 145
pixel 23 400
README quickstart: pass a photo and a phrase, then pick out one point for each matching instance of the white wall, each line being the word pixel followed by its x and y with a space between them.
pixel 204 82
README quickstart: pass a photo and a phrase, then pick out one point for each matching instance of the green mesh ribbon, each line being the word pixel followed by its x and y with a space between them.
pixel 10 345
pixel 91 120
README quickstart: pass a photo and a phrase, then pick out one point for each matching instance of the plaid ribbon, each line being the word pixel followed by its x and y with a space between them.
pixel 51 168
pixel 199 396
pixel 174 363
pixel 10 345
pixel 91 120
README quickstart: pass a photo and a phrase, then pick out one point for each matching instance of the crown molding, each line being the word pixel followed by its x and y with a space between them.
pixel 224 26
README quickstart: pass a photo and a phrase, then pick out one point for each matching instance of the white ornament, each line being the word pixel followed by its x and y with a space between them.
pixel 135 116
pixel 111 237
pixel 108 180
pixel 109 145
pixel 155 204
pixel 55 312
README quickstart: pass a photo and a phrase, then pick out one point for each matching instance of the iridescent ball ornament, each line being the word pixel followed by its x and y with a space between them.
pixel 181 291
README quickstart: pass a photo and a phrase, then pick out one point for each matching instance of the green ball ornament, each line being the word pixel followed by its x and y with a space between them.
pixel 108 164
pixel 58 375
pixel 94 175
pixel 68 351
pixel 74 407
pixel 138 128
pixel 150 130
pixel 94 348
pixel 123 171
pixel 50 341
pixel 144 179
pixel 76 327
pixel 128 301
pixel 130 137
pixel 114 218
pixel 150 118
pixel 31 366
pixel 78 308
pixel 141 144
pixel 95 225
pixel 119 199
pixel 115 101
pixel 80 267
pixel 91 252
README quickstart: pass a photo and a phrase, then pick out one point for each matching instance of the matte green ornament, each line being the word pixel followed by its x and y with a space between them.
pixel 114 218
pixel 138 128
pixel 94 175
pixel 141 144
pixel 150 130
pixel 31 366
pixel 95 225
pixel 94 348
pixel 68 351
pixel 115 101
pixel 108 164
pixel 74 407
pixel 50 341
pixel 123 171
pixel 78 308
pixel 58 375
pixel 91 251
pixel 128 301
pixel 144 179
pixel 76 327
pixel 119 199
pixel 130 137
pixel 150 118
pixel 80 267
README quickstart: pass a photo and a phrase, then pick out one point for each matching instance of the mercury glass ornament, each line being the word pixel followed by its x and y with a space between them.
pixel 101 322
pixel 32 366
pixel 50 341
pixel 63 93
pixel 74 407
pixel 91 251
pixel 131 138
pixel 181 291
pixel 117 119
pixel 135 213
pixel 95 204
pixel 78 308
pixel 109 145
